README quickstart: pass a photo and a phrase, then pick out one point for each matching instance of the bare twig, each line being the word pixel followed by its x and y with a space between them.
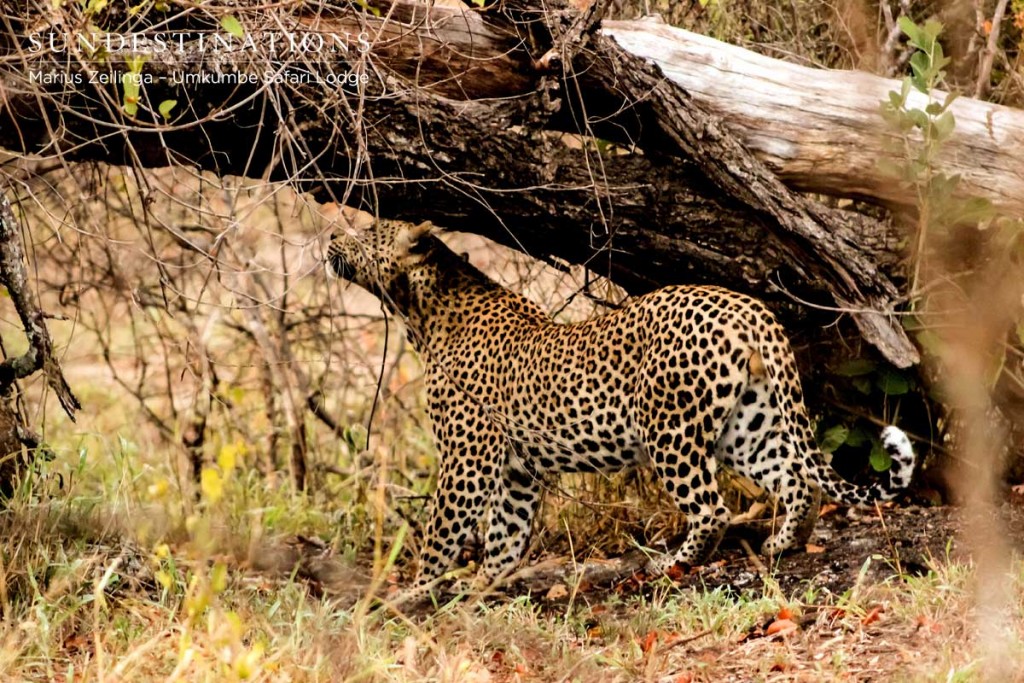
pixel 985 68
pixel 39 355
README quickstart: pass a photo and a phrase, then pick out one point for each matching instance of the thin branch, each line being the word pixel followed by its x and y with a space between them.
pixel 39 355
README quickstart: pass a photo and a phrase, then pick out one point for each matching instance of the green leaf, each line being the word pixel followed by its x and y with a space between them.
pixel 893 384
pixel 95 6
pixel 232 25
pixel 857 438
pixel 856 367
pixel 910 29
pixel 932 29
pixel 919 118
pixel 833 438
pixel 369 8
pixel 166 107
pixel 879 459
pixel 130 84
pixel 944 126
pixel 862 384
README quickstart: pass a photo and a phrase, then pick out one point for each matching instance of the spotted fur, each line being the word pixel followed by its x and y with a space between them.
pixel 677 379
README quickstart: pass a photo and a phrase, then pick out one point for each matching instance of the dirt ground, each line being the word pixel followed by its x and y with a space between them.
pixel 848 546
pixel 899 540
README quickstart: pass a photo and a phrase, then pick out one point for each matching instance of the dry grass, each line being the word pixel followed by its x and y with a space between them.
pixel 85 599
pixel 112 571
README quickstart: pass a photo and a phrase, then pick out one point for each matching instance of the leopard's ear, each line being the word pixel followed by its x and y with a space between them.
pixel 409 238
pixel 418 232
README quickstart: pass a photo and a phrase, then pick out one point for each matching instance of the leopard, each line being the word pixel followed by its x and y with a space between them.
pixel 681 379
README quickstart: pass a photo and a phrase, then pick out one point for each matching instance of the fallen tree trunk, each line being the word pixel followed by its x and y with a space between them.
pixel 819 130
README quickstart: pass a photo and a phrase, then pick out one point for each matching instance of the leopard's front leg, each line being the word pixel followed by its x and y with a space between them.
pixel 471 451
pixel 511 517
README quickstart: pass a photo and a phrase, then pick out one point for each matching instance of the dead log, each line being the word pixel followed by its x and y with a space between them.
pixel 819 130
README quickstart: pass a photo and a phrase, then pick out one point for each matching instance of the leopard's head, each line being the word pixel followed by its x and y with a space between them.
pixel 379 258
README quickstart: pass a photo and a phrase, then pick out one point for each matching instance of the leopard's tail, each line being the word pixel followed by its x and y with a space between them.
pixel 780 368
pixel 896 443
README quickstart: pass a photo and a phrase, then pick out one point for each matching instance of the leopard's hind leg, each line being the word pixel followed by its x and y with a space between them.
pixel 757 443
pixel 680 442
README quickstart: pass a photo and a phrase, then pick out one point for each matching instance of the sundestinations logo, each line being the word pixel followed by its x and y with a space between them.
pixel 267 42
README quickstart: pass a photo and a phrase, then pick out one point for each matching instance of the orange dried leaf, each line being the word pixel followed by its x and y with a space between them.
pixel 785 613
pixel 872 616
pixel 781 627
pixel 648 642
pixel 685 677
pixel 827 509
pixel 812 549
pixel 557 592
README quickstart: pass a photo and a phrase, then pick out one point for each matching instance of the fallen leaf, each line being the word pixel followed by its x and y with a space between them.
pixel 671 638
pixel 648 642
pixel 872 616
pixel 827 509
pixel 76 643
pixel 557 592
pixel 812 549
pixel 781 627
pixel 685 677
pixel 785 613
pixel 835 615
